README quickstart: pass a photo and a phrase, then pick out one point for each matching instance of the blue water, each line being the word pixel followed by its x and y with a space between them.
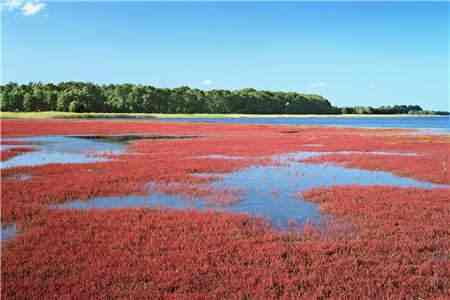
pixel 62 149
pixel 434 124
pixel 8 232
pixel 71 149
pixel 271 192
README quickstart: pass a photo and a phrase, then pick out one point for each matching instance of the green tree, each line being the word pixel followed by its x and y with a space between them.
pixel 89 97
pixel 75 106
pixel 28 102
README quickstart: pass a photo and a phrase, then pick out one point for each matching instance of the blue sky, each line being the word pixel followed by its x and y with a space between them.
pixel 351 52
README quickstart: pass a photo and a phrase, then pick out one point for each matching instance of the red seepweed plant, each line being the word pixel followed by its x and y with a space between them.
pixel 387 242
pixel 13 152
pixel 400 251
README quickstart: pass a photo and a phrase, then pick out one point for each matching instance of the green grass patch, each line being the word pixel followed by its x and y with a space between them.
pixel 70 115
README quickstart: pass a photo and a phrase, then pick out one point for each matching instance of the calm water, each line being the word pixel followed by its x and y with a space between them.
pixel 271 192
pixel 8 232
pixel 438 124
pixel 71 149
pixel 61 149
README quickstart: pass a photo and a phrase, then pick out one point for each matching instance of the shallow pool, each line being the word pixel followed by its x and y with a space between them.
pixel 61 149
pixel 8 232
pixel 272 192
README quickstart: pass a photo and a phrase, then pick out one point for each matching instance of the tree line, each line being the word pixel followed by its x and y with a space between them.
pixel 135 98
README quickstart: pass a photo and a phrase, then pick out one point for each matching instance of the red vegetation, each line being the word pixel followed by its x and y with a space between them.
pixel 404 235
pixel 174 161
pixel 400 251
pixel 13 142
pixel 12 152
pixel 128 174
pixel 431 167
pixel 432 162
pixel 195 190
pixel 396 248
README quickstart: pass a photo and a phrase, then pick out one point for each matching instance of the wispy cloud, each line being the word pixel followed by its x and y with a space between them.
pixel 27 8
pixel 32 8
pixel 207 82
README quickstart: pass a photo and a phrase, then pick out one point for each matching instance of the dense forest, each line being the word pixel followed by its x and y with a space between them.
pixel 132 98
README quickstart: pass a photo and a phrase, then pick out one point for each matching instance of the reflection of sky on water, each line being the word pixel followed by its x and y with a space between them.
pixel 62 149
pixel 270 191
pixel 428 124
pixel 267 191
pixel 8 232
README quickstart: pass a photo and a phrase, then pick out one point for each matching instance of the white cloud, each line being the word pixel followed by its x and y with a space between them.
pixel 32 8
pixel 27 8
pixel 207 82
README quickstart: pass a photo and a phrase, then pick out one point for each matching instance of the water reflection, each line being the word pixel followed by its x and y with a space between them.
pixel 427 124
pixel 72 149
pixel 61 149
pixel 267 191
pixel 8 232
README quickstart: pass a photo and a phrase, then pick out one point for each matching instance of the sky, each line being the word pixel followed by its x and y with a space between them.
pixel 353 53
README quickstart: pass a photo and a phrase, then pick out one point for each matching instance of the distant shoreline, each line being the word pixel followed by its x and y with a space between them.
pixel 156 116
